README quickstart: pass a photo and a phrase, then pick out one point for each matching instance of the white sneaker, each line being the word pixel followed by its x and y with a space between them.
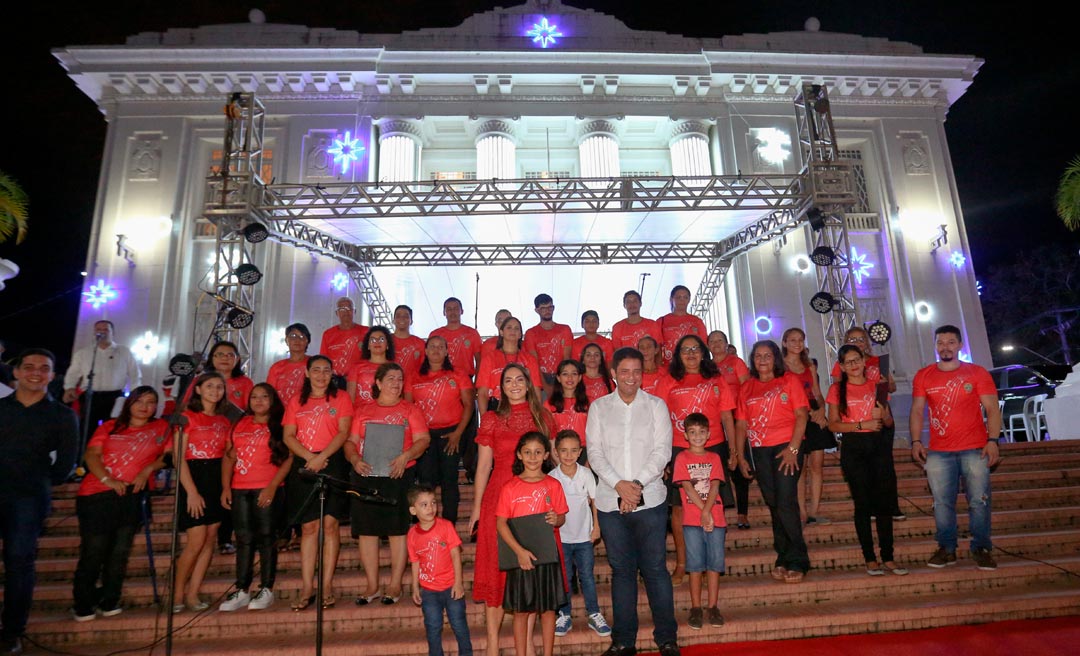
pixel 235 601
pixel 599 624
pixel 563 624
pixel 262 599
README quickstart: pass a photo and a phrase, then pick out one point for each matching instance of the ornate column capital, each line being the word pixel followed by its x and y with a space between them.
pixel 394 126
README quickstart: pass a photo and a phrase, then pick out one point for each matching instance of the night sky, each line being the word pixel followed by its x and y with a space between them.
pixel 1010 135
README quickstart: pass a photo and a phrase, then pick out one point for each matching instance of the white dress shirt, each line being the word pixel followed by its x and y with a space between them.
pixel 629 441
pixel 114 369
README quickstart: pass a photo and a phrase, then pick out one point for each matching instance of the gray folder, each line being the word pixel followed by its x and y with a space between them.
pixel 382 443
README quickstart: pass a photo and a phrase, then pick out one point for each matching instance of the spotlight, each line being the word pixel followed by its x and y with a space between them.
pixel 816 218
pixel 923 311
pixel 255 233
pixel 763 325
pixel 801 264
pixel 822 302
pixel 182 364
pixel 240 318
pixel 247 274
pixel 823 256
pixel 879 332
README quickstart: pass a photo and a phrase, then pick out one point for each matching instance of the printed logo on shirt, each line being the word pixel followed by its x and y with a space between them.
pixel 452 383
pixel 968 388
pixel 783 397
pixel 332 411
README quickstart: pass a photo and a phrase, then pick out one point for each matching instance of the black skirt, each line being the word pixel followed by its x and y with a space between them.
pixel 206 474
pixel 818 438
pixel 379 519
pixel 301 499
pixel 536 590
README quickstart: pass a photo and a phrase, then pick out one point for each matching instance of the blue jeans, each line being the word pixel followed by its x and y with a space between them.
pixel 579 557
pixel 21 521
pixel 433 603
pixel 637 542
pixel 943 470
pixel 704 551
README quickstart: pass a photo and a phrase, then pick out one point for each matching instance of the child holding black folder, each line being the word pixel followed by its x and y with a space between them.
pixel 532 587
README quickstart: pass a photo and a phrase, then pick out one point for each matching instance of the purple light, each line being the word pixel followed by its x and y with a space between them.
pixel 544 33
pixel 340 281
pixel 964 356
pixel 345 151
pixel 763 325
pixel 860 268
pixel 978 287
pixel 957 259
pixel 100 294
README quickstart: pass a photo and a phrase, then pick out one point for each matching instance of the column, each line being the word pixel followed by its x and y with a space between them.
pixel 496 150
pixel 598 149
pixel 400 143
pixel 689 146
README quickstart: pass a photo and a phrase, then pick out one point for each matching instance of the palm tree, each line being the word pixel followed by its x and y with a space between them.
pixel 1068 195
pixel 14 209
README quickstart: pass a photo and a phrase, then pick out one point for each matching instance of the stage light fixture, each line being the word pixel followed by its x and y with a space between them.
pixel 822 302
pixel 182 364
pixel 763 325
pixel 823 256
pixel 816 218
pixel 247 274
pixel 923 311
pixel 879 332
pixel 801 264
pixel 255 233
pixel 240 318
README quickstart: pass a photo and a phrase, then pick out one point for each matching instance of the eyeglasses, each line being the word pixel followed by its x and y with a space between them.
pixel 689 350
pixel 856 340
pixel 343 308
pixel 377 340
pixel 852 363
pixel 295 336
pixel 225 354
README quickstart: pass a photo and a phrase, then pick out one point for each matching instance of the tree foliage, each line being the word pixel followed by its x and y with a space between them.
pixel 1068 195
pixel 14 210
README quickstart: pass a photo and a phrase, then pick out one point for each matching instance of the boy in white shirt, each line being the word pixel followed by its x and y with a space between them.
pixel 579 532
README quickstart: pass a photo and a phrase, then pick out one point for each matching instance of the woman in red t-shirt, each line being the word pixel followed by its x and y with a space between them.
pixel 855 411
pixel 316 426
pixel 202 441
pixel 121 458
pixel 252 472
pixel 507 350
pixel 568 403
pixel 652 374
pixel 597 376
pixel 371 520
pixel 446 397
pixel 734 372
pixel 771 415
pixel 377 349
pixel 679 323
pixel 519 412
pixel 287 376
pixel 225 360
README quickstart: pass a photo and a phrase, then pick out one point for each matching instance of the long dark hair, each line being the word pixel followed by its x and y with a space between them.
pixel 678 370
pixel 195 403
pixel 532 397
pixel 279 452
pixel 124 420
pixel 381 372
pixel 557 398
pixel 605 373
pixel 804 357
pixel 238 370
pixel 365 349
pixel 518 468
pixel 425 366
pixel 778 358
pixel 842 387
pixel 521 340
pixel 305 391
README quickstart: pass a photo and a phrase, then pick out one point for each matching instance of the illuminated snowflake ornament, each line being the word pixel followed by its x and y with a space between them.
pixel 978 287
pixel 340 281
pixel 957 259
pixel 860 268
pixel 544 33
pixel 346 151
pixel 100 294
pixel 147 347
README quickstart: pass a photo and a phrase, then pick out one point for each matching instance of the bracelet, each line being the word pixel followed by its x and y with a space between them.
pixel 914 442
pixel 794 450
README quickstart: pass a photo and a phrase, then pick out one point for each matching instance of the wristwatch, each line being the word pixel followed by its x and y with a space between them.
pixel 638 483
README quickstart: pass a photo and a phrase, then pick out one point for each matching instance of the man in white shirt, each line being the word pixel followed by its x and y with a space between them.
pixel 629 445
pixel 114 368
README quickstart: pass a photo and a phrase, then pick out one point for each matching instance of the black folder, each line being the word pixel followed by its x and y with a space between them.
pixel 535 534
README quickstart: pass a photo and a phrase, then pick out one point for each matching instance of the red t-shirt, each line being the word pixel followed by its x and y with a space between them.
pixel 401 413
pixel 207 435
pixel 491 369
pixel 549 345
pixel 462 346
pixel 490 344
pixel 595 387
pixel 363 374
pixel 287 378
pixel 605 344
pixel 674 327
pixel 251 443
pixel 873 370
pixel 861 400
pixel 624 333
pixel 409 353
pixel 732 368
pixel 520 498
pixel 343 346
pixel 568 419
pixel 700 470
pixel 433 550
pixel 238 389
pixel 126 453
pixel 769 409
pixel 317 420
pixel 694 393
pixel 438 395
pixel 651 382
pixel 806 379
pixel 956 421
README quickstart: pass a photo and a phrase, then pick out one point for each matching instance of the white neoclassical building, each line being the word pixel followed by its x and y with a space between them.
pixel 539 147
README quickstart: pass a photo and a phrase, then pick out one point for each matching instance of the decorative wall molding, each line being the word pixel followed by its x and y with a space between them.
pixel 144 158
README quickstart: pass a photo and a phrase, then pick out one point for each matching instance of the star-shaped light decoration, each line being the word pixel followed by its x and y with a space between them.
pixel 346 151
pixel 860 268
pixel 978 287
pixel 544 33
pixel 147 347
pixel 100 294
pixel 957 259
pixel 340 281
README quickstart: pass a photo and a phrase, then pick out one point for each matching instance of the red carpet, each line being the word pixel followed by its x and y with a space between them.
pixel 1051 637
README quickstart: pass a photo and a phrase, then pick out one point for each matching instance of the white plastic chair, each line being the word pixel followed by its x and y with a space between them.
pixel 1006 429
pixel 1034 417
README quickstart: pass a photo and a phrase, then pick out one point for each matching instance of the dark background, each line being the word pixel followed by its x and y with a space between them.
pixel 1011 135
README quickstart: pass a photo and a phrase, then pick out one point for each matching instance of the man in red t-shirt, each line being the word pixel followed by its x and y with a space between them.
pixel 961 444
pixel 463 351
pixel 629 331
pixel 547 341
pixel 408 348
pixel 341 343
pixel 590 323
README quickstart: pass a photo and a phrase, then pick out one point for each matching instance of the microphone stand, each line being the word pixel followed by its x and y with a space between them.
pixel 88 401
pixel 174 423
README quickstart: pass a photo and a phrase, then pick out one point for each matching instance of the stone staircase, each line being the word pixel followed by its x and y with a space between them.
pixel 1036 518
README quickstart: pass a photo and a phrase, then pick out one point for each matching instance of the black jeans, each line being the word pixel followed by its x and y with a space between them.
pixel 737 483
pixel 437 468
pixel 21 520
pixel 107 526
pixel 866 459
pixel 255 529
pixel 781 494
